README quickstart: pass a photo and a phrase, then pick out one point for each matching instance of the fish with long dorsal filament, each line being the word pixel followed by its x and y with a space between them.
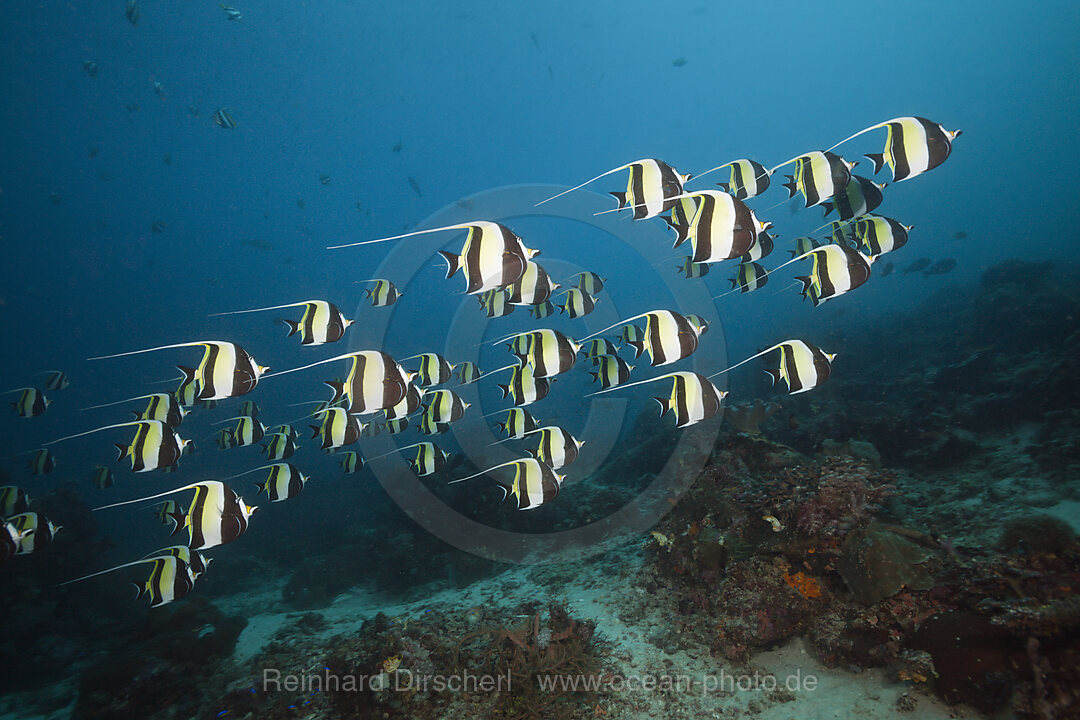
pixel 226 369
pixel 649 187
pixel 534 483
pixel 693 397
pixel 493 255
pixel 322 322
pixel 913 146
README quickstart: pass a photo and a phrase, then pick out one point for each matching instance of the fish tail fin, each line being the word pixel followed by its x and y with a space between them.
pixel 140 590
pixel 293 325
pixel 338 388
pixel 620 197
pixel 664 405
pixel 315 430
pixel 878 159
pixel 638 345
pixel 453 262
pixel 790 185
pixel 121 451
pixel 829 207
pixel 774 375
pixel 504 389
pixel 807 283
pixel 726 187
pixel 178 521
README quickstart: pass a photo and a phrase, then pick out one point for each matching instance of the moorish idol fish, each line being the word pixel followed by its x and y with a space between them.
pixel 681 214
pixel 31 403
pixel 283 482
pixel 371 429
pixel 818 176
pixel 860 197
pixel 339 428
pixel 802 366
pixel 722 228
pixel 543 310
pixel 749 276
pixel 225 439
pixel 518 422
pixel 557 447
pixel 13 500
pixel 216 516
pixel 804 245
pixel 668 337
pixel 748 178
pixel 880 235
pixel 649 189
pixel 383 294
pixel 493 255
pixel 430 458
pixel 170 579
pixel 534 483
pixel 599 346
pixel 155 445
pixel 913 146
pixel 43 462
pixel 577 303
pixel 429 425
pixel 533 287
pixel 693 398
pixel 434 370
pixel 102 477
pixel 194 559
pixel 699 323
pixel 836 270
pixel 408 405
pixel 496 302
pixel 249 408
pixel 693 270
pixel 226 370
pixel 56 380
pixel 321 323
pixel 351 462
pixel 375 381
pixel 169 511
pixel 224 119
pixel 549 352
pixel 611 371
pixel 160 406
pixel 248 430
pixel 590 282
pixel 286 429
pixel 35 531
pixel 397 425
pixel 762 247
pixel 525 387
pixel 446 406
pixel 279 446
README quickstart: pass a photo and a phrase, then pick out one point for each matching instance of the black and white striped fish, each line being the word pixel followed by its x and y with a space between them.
pixel 649 188
pixel 611 371
pixel 860 197
pixel 577 303
pixel 913 146
pixel 31 403
pixel 557 448
pixel 383 294
pixel 802 366
pixel 818 176
pixel 880 235
pixel 534 483
pixel 532 288
pixel 321 322
pixel 434 369
pixel 693 397
pixel 493 255
pixel 339 428
pixel 226 370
